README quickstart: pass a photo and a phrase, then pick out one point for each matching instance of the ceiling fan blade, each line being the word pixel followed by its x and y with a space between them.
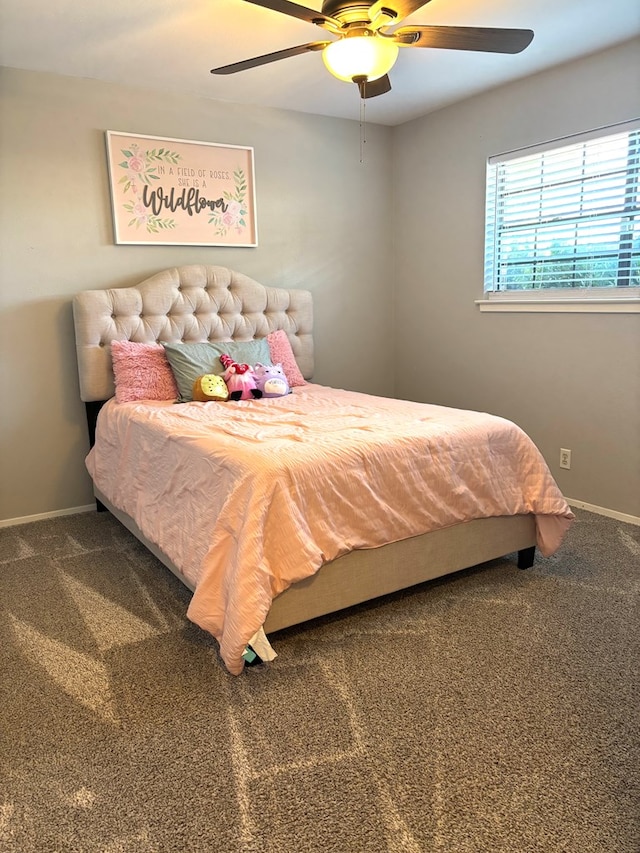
pixel 483 39
pixel 402 8
pixel 374 88
pixel 297 11
pixel 269 57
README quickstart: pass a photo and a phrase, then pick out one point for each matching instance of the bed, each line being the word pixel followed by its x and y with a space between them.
pixel 274 512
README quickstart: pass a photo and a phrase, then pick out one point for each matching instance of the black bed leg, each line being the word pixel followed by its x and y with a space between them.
pixel 100 507
pixel 526 557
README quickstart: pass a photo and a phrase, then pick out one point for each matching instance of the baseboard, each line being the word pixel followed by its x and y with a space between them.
pixel 27 519
pixel 601 510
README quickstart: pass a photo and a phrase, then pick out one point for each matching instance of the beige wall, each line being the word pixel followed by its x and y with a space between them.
pixel 323 225
pixel 392 251
pixel 570 380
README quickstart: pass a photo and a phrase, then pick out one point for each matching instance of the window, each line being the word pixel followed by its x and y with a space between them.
pixel 563 224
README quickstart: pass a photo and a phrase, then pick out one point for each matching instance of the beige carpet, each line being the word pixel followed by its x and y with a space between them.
pixel 493 711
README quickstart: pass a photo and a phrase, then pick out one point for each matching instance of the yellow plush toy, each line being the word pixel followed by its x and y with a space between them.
pixel 210 387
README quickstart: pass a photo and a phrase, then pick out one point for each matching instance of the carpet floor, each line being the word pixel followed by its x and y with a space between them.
pixel 493 711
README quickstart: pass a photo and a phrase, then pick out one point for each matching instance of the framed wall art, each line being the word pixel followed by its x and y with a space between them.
pixel 177 192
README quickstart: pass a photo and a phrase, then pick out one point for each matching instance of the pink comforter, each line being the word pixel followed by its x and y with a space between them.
pixel 249 497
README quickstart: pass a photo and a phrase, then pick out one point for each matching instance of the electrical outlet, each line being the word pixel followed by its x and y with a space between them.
pixel 565 458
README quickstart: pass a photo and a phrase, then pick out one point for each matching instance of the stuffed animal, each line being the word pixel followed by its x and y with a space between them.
pixel 240 380
pixel 271 380
pixel 210 387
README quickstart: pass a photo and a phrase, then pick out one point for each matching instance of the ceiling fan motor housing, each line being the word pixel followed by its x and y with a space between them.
pixel 349 11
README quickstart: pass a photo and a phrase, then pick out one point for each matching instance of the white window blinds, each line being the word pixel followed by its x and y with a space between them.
pixel 566 214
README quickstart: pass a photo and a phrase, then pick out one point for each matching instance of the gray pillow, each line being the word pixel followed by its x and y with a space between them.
pixel 188 361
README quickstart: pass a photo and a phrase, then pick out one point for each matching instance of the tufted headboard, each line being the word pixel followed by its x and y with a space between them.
pixel 189 303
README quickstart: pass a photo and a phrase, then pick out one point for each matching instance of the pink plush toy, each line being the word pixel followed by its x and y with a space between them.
pixel 240 380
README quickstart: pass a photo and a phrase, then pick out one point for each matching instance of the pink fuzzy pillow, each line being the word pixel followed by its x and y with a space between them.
pixel 281 352
pixel 142 372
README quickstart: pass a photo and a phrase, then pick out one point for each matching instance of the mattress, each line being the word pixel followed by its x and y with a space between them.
pixel 249 497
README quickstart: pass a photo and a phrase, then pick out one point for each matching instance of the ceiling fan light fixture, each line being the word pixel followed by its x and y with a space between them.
pixel 360 56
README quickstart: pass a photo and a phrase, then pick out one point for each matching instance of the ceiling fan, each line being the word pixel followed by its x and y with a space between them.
pixel 367 47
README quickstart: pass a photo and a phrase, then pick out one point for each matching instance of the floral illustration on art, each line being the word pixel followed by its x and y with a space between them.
pixel 141 169
pixel 233 216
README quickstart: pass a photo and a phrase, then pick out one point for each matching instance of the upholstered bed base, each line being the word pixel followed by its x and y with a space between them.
pixel 364 575
pixel 200 303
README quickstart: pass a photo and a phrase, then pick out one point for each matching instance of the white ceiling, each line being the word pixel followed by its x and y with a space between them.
pixel 171 45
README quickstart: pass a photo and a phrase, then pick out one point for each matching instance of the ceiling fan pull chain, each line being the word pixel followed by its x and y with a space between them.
pixel 363 118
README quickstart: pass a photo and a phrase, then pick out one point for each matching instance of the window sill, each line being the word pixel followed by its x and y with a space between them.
pixel 629 305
